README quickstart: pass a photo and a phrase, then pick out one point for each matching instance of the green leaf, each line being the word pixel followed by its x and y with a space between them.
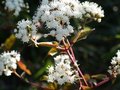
pixel 52 51
pixel 82 34
pixel 99 76
pixel 117 36
pixel 48 62
pixel 9 42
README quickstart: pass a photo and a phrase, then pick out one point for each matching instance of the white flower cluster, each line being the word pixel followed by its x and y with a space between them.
pixel 15 5
pixel 8 62
pixel 93 11
pixel 26 30
pixel 114 69
pixel 56 15
pixel 62 72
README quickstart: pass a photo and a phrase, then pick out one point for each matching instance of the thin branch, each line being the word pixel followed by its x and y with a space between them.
pixel 72 57
pixel 102 82
pixel 74 61
pixel 49 44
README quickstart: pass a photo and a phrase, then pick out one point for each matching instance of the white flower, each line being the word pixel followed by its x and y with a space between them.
pixel 51 69
pixel 114 62
pixel 7 72
pixel 15 5
pixel 63 72
pixel 8 62
pixel 118 55
pixel 114 69
pixel 26 30
pixel 56 15
pixel 92 10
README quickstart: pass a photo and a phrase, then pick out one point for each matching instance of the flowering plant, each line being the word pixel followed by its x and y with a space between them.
pixel 53 21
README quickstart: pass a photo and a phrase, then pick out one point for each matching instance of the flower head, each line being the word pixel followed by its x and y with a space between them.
pixel 26 30
pixel 15 5
pixel 56 15
pixel 114 69
pixel 8 62
pixel 62 72
pixel 93 11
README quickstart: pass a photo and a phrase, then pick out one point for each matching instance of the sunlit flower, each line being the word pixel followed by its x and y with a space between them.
pixel 93 11
pixel 114 69
pixel 25 30
pixel 56 15
pixel 8 62
pixel 63 72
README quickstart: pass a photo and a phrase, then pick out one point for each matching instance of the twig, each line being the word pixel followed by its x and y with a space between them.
pixel 74 61
pixel 47 45
pixel 72 57
pixel 102 82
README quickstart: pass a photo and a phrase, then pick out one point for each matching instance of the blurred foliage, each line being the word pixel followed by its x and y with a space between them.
pixel 93 54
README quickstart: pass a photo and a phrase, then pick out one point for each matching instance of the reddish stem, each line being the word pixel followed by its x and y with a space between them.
pixel 72 57
pixel 102 82
pixel 75 63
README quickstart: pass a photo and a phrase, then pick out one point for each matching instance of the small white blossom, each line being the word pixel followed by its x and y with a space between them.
pixel 114 69
pixel 63 71
pixel 26 30
pixel 15 5
pixel 92 10
pixel 8 62
pixel 56 15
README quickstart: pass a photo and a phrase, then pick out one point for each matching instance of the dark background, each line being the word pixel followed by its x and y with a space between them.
pixel 94 53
